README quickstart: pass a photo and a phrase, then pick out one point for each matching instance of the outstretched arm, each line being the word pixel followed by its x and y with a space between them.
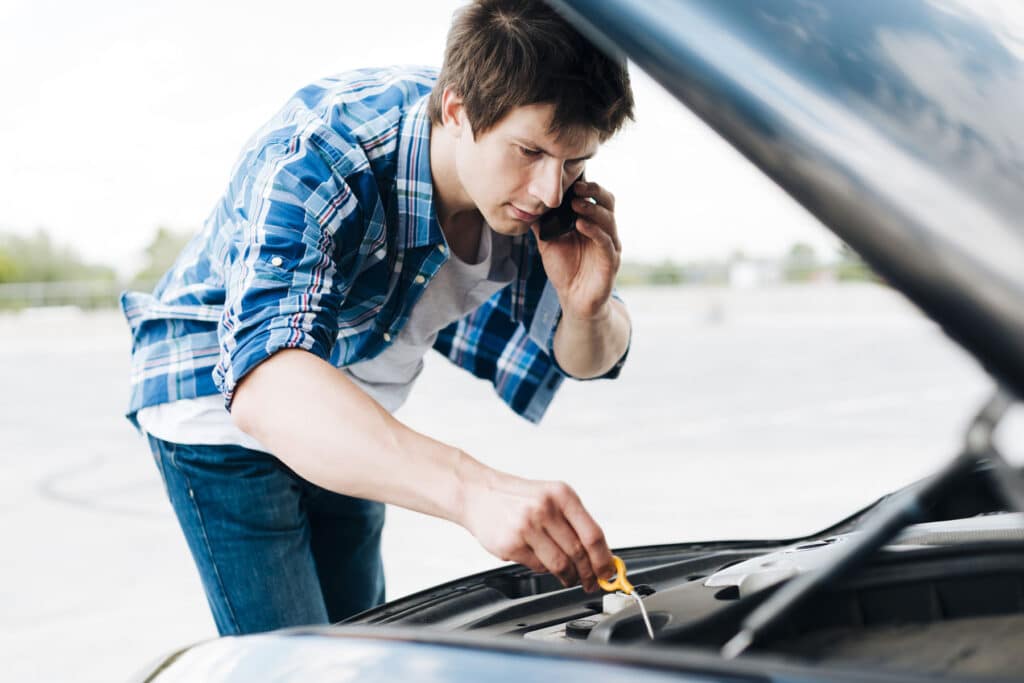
pixel 330 432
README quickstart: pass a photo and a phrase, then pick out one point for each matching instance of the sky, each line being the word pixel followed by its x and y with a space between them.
pixel 121 116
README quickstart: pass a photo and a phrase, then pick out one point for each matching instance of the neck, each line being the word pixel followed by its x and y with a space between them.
pixel 456 212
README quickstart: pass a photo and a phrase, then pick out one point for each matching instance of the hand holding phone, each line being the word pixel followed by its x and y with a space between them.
pixel 561 219
pixel 582 266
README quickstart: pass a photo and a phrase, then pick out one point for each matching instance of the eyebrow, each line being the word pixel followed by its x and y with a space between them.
pixel 532 145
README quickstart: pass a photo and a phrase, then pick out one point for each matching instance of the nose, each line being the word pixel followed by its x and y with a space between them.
pixel 546 183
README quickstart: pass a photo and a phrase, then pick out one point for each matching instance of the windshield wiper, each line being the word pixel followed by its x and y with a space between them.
pixel 890 517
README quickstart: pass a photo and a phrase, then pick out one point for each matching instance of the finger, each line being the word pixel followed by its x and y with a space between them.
pixel 584 188
pixel 551 556
pixel 591 536
pixel 562 533
pixel 600 216
pixel 594 212
pixel 596 234
pixel 528 559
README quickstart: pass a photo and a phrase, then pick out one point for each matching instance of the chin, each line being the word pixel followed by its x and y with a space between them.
pixel 513 229
pixel 507 226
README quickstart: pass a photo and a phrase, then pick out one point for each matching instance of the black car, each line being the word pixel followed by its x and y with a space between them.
pixel 900 125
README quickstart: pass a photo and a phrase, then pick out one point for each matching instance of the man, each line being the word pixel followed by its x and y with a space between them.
pixel 382 213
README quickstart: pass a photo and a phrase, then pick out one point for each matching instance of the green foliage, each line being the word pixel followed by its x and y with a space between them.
pixel 800 263
pixel 8 269
pixel 852 268
pixel 160 255
pixel 38 259
pixel 631 273
pixel 666 273
pixel 670 273
pixel 36 272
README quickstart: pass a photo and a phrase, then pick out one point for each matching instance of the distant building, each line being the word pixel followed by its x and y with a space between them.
pixel 745 273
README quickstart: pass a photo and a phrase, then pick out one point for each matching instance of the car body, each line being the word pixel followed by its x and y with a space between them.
pixel 898 124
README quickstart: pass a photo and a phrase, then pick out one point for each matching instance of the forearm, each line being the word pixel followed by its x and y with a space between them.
pixel 331 433
pixel 587 348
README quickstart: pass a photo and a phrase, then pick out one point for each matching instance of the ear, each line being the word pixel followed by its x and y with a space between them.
pixel 453 113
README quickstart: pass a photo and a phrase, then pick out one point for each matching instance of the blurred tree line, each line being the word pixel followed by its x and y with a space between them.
pixel 36 271
pixel 37 259
pixel 160 254
pixel 799 263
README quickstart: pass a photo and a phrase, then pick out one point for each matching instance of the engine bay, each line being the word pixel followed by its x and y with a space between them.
pixel 941 598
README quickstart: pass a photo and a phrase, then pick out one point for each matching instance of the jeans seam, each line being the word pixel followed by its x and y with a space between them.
pixel 158 461
pixel 206 541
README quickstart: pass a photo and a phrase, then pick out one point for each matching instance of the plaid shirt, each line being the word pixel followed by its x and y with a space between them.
pixel 324 240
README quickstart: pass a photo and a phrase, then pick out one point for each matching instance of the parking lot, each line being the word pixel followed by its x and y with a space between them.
pixel 740 413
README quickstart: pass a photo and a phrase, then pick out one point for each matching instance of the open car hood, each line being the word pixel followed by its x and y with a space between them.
pixel 898 123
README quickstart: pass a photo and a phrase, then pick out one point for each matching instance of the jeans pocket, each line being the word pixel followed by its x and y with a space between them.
pixel 223 459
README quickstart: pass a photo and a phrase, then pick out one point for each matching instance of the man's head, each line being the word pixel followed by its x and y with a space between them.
pixel 528 99
pixel 503 54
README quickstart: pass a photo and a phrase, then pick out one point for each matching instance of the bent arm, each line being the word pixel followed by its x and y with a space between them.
pixel 589 348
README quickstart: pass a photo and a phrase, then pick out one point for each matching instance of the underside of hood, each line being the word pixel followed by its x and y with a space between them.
pixel 897 123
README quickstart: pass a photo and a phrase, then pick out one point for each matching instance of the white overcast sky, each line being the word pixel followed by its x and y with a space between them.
pixel 119 116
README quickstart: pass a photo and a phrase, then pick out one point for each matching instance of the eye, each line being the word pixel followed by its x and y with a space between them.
pixel 575 167
pixel 529 153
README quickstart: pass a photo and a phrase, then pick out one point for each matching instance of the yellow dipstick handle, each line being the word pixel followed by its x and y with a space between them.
pixel 620 583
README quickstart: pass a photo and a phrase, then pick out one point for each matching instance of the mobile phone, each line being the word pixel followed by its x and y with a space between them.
pixel 561 219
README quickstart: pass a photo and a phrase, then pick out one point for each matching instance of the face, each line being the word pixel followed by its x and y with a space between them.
pixel 517 170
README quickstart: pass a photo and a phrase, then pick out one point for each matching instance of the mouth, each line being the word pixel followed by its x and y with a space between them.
pixel 523 215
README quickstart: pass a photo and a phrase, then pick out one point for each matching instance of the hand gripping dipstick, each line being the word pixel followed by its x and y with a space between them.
pixel 621 583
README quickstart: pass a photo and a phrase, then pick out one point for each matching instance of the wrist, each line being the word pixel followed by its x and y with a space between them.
pixel 588 348
pixel 471 476
pixel 594 316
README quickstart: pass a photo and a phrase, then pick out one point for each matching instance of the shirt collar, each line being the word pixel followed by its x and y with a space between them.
pixel 414 186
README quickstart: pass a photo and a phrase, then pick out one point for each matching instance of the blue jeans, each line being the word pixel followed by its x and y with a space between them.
pixel 272 549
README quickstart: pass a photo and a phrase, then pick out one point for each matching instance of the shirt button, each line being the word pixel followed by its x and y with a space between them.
pixel 420 279
pixel 387 337
pixel 276 261
pixel 441 248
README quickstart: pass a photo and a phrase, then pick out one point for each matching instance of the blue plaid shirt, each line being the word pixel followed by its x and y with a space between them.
pixel 324 240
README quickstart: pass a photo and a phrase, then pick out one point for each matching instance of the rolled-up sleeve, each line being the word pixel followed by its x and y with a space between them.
pixel 283 288
pixel 545 325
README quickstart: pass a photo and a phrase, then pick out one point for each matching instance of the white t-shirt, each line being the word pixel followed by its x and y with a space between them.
pixel 456 289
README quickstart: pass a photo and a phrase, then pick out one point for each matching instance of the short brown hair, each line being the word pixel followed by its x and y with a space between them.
pixel 503 54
